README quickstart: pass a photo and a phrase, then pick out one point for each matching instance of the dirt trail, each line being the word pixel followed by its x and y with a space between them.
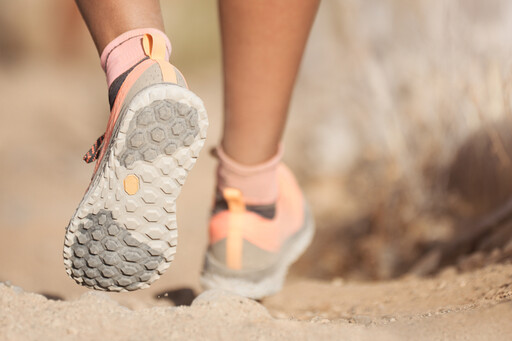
pixel 451 307
pixel 408 298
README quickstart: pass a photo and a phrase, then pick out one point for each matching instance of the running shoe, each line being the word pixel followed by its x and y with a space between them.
pixel 252 247
pixel 123 234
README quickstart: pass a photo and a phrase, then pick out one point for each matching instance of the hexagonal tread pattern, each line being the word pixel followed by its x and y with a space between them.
pixel 121 242
pixel 108 257
pixel 161 128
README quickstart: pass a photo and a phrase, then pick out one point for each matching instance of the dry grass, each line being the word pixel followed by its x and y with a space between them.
pixel 410 109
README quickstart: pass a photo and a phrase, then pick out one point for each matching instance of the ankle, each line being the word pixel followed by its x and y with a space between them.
pixel 248 151
pixel 257 183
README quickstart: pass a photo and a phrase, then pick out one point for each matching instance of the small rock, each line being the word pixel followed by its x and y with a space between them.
pixel 230 302
pixel 16 289
pixel 280 315
pixel 388 318
pixel 363 319
pixel 214 295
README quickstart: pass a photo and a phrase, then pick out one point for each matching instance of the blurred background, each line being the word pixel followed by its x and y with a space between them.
pixel 400 134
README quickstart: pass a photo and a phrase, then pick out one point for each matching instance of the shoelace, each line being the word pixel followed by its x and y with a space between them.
pixel 94 152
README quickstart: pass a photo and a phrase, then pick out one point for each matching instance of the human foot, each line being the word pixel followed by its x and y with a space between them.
pixel 252 246
pixel 123 234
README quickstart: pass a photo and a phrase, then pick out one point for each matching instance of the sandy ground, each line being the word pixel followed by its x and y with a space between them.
pixel 54 111
pixel 447 308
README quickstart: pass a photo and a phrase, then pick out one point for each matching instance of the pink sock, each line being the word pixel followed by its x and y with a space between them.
pixel 258 183
pixel 125 51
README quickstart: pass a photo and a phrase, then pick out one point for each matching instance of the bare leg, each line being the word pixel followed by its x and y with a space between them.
pixel 263 43
pixel 107 19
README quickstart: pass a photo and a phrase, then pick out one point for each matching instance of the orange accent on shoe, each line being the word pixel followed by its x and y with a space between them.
pixel 155 48
pixel 116 109
pixel 234 199
pixel 131 184
pixel 234 240
pixel 267 234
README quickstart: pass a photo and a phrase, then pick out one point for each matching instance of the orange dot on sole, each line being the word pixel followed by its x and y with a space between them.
pixel 131 184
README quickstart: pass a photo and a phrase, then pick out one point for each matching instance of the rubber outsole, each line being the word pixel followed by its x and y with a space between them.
pixel 261 283
pixel 123 235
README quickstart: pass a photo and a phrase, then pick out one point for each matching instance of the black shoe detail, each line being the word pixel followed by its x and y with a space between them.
pixel 116 84
pixel 266 211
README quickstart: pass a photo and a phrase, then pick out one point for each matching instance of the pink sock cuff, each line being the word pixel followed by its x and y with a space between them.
pixel 258 183
pixel 128 36
pixel 126 50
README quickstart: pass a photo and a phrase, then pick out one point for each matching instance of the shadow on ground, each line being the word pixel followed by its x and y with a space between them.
pixel 178 297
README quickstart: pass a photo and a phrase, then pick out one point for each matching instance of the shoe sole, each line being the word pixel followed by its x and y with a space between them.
pixel 260 283
pixel 123 235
